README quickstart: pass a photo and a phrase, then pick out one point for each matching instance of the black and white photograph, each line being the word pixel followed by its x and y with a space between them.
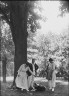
pixel 34 48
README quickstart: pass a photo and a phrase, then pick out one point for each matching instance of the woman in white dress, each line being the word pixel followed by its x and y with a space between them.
pixel 21 79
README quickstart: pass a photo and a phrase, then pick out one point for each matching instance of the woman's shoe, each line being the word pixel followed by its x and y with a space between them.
pixel 52 89
pixel 33 89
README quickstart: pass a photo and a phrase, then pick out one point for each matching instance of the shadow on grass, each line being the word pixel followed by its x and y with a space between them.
pixel 60 90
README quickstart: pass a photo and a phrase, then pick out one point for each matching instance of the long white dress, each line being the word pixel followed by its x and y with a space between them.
pixel 21 79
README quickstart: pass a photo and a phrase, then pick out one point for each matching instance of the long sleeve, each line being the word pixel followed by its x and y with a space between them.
pixel 36 67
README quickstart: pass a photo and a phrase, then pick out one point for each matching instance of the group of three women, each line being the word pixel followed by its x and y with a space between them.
pixel 26 73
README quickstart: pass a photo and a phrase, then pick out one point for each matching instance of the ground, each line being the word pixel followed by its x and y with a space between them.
pixel 60 90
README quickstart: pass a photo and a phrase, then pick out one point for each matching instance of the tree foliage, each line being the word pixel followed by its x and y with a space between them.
pixel 7 44
pixel 45 46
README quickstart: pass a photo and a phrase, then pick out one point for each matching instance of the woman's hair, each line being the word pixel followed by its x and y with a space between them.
pixel 27 63
pixel 50 60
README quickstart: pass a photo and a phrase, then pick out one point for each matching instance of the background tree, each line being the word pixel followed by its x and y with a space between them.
pixel 18 24
pixel 7 48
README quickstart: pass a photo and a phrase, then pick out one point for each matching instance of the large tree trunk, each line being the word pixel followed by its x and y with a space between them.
pixel 18 19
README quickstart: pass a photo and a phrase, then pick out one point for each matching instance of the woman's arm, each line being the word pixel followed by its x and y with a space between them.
pixel 31 71
pixel 53 66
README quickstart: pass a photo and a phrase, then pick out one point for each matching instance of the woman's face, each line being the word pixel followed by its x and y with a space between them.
pixel 51 61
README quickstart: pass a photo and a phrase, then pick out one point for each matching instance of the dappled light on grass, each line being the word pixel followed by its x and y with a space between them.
pixel 58 90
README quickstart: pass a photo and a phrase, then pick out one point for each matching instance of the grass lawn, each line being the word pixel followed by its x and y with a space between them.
pixel 60 90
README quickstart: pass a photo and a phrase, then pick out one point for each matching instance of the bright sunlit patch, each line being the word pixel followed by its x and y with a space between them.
pixel 51 9
pixel 54 23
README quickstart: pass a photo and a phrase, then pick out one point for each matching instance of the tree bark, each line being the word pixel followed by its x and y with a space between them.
pixel 4 62
pixel 18 21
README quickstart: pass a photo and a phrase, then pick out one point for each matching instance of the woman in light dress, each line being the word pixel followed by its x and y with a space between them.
pixel 21 79
pixel 51 74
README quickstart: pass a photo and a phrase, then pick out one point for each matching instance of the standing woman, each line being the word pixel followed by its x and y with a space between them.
pixel 51 74
pixel 35 67
pixel 29 75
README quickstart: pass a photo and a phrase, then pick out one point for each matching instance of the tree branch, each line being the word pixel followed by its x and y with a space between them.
pixel 4 15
